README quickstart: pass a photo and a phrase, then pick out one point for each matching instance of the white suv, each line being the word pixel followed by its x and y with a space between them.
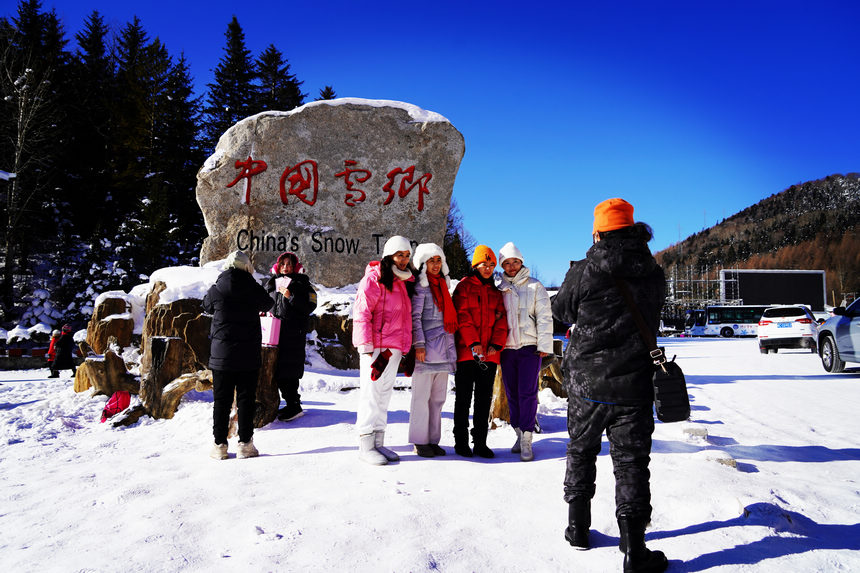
pixel 787 327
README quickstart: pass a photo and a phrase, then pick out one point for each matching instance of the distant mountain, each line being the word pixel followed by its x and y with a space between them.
pixel 813 225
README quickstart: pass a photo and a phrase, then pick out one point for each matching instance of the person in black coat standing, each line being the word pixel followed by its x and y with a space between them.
pixel 295 299
pixel 608 376
pixel 235 302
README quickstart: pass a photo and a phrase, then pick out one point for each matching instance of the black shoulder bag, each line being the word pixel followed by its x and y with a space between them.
pixel 670 388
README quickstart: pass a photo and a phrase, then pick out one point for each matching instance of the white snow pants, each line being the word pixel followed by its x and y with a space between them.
pixel 374 395
pixel 429 390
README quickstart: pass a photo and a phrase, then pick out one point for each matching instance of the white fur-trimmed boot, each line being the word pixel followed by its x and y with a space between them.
pixel 515 449
pixel 526 453
pixel 379 441
pixel 367 451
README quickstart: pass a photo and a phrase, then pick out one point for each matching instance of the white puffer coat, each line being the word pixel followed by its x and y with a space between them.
pixel 529 312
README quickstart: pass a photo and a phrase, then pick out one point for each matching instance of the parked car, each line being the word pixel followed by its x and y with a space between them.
pixel 839 338
pixel 790 326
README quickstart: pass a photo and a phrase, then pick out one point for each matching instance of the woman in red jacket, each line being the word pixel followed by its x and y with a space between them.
pixel 483 329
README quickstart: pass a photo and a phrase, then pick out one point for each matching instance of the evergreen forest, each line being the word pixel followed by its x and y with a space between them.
pixel 812 225
pixel 104 133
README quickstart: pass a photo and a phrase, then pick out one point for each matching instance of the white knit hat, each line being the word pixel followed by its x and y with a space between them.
pixel 425 252
pixel 510 251
pixel 395 244
pixel 239 260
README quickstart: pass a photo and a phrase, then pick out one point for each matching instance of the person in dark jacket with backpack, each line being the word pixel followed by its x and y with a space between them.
pixel 295 299
pixel 608 376
pixel 235 302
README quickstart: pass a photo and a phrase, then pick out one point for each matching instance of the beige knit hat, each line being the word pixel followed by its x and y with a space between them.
pixel 239 260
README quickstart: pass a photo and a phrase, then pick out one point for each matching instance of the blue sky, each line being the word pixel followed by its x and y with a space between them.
pixel 690 110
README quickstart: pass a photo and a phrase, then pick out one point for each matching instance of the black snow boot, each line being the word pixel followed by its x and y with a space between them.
pixel 579 520
pixel 637 557
pixel 479 444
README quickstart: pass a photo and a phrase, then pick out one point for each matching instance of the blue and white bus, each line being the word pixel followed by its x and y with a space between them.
pixel 723 320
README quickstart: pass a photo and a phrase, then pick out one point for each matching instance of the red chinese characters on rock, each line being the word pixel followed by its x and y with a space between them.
pixel 406 185
pixel 302 181
pixel 249 167
pixel 351 199
pixel 302 176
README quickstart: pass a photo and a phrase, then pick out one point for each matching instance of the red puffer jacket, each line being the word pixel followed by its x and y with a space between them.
pixel 481 315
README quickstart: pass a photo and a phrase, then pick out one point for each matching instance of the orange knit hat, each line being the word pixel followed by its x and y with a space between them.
pixel 483 253
pixel 612 214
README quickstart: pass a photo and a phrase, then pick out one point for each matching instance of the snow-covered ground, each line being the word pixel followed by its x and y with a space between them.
pixel 78 495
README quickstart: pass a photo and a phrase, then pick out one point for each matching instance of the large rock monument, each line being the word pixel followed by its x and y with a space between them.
pixel 331 181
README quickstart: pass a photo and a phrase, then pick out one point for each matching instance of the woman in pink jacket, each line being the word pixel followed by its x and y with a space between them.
pixel 382 333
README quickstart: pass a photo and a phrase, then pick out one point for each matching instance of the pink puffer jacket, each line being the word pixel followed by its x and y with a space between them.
pixel 381 319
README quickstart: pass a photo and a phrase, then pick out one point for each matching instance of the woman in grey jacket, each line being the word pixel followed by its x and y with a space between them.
pixel 434 321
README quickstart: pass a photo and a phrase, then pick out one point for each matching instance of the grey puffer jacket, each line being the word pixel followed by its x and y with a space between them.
pixel 428 332
pixel 606 359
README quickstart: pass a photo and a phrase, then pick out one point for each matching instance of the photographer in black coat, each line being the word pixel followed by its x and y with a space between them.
pixel 295 299
pixel 235 302
pixel 608 376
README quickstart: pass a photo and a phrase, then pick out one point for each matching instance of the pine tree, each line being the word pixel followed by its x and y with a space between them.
pixel 326 93
pixel 180 158
pixel 233 93
pixel 131 122
pixel 279 90
pixel 90 128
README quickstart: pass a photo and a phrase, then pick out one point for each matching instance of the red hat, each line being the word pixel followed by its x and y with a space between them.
pixel 612 214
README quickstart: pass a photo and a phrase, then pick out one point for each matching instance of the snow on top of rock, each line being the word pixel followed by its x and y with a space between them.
pixel 213 159
pixel 136 301
pixel 112 294
pixel 186 282
pixel 417 114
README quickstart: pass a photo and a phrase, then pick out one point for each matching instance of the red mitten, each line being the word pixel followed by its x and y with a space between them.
pixel 378 366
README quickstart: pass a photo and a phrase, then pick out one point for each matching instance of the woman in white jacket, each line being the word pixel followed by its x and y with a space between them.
pixel 529 339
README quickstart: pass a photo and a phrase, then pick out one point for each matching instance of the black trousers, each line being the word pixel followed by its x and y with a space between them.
pixel 628 429
pixel 468 379
pixel 244 383
pixel 289 388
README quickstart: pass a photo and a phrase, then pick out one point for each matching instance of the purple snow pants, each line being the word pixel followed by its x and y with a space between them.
pixel 520 370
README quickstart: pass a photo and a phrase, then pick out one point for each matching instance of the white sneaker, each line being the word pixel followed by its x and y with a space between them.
pixel 526 453
pixel 516 447
pixel 247 450
pixel 219 452
pixel 368 453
